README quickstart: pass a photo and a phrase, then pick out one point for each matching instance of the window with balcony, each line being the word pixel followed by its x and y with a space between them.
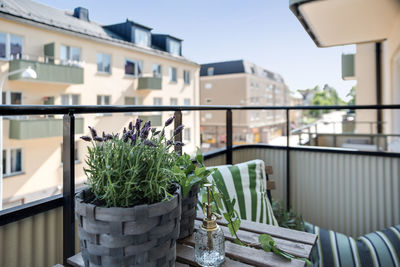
pixel 186 134
pixel 210 71
pixel 12 161
pixel 186 76
pixel 76 153
pixel 70 55
pixel 172 75
pixel 11 98
pixel 103 63
pixel 133 67
pixel 103 100
pixel 173 101
pixel 157 101
pixel 157 70
pixel 142 37
pixel 11 46
pixel 174 47
pixel 70 99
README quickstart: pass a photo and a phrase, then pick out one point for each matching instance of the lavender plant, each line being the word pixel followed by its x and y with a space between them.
pixel 134 168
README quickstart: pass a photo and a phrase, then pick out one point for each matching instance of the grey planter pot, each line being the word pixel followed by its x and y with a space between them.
pixel 189 204
pixel 143 235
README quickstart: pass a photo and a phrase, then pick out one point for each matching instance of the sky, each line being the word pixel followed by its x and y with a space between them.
pixel 264 32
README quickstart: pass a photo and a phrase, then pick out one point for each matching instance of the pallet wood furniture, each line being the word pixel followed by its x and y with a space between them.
pixel 295 242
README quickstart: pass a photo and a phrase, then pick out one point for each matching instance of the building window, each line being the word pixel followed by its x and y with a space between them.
pixel 11 46
pixel 208 100
pixel 172 74
pixel 186 76
pixel 186 101
pixel 208 86
pixel 157 70
pixel 208 116
pixel 76 153
pixel 210 71
pixel 133 100
pixel 253 71
pixel 70 99
pixel 186 134
pixel 173 101
pixel 157 101
pixel 142 37
pixel 103 100
pixel 11 98
pixel 12 161
pixel 133 67
pixel 174 47
pixel 103 63
pixel 70 55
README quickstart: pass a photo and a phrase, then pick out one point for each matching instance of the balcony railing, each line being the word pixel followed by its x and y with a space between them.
pixel 343 188
pixel 47 72
pixel 149 83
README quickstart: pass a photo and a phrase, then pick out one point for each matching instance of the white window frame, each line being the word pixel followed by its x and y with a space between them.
pixel 208 86
pixel 8 46
pixel 70 99
pixel 186 77
pixel 146 32
pixel 173 99
pixel 138 101
pixel 8 97
pixel 187 134
pixel 8 162
pixel 102 101
pixel 170 74
pixel 137 63
pixel 102 60
pixel 69 60
pixel 210 71
pixel 158 75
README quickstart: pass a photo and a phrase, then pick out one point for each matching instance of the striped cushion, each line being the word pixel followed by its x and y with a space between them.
pixel 380 248
pixel 246 183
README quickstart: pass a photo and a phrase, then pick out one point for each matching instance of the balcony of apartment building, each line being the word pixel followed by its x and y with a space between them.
pixel 49 69
pixel 344 189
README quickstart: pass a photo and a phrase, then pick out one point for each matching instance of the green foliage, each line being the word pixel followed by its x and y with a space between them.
pixel 287 218
pixel 328 96
pixel 133 169
pixel 352 94
pixel 189 173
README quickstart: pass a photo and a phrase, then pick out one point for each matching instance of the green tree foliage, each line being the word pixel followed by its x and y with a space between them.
pixel 352 95
pixel 327 96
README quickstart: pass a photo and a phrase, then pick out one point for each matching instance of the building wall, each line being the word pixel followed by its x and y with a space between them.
pixel 42 156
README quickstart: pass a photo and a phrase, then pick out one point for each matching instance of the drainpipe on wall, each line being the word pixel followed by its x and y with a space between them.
pixel 378 53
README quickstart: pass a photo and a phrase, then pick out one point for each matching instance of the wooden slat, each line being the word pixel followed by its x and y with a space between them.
pixel 76 260
pixel 271 185
pixel 274 231
pixel 300 250
pixel 185 254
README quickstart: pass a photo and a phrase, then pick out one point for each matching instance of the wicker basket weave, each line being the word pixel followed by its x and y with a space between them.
pixel 143 235
pixel 189 204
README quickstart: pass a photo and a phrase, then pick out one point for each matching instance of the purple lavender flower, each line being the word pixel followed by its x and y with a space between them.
pixel 133 139
pixel 169 142
pixel 130 126
pixel 98 139
pixel 124 132
pixel 93 132
pixel 125 137
pixel 156 133
pixel 178 129
pixel 145 130
pixel 86 138
pixel 149 143
pixel 179 143
pixel 169 121
pixel 108 137
pixel 138 123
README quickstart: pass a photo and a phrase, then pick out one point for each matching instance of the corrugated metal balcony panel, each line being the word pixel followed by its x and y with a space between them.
pixel 348 67
pixel 149 83
pixel 156 120
pixel 23 129
pixel 48 72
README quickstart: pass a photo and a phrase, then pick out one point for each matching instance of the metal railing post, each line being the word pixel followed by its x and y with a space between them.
pixel 229 153
pixel 178 137
pixel 68 187
pixel 287 159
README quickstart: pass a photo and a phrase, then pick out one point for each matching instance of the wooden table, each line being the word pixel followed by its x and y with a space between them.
pixel 295 242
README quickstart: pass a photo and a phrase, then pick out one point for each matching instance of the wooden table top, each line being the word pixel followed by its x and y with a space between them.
pixel 295 242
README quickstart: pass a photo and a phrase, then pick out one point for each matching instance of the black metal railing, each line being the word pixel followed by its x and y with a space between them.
pixel 66 199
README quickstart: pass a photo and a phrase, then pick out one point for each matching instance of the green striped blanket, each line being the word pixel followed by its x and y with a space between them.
pixel 246 182
pixel 380 248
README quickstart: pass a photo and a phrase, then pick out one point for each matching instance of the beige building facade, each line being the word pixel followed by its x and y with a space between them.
pixel 374 27
pixel 79 62
pixel 241 83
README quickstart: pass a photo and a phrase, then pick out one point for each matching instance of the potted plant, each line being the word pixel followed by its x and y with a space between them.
pixel 130 213
pixel 192 175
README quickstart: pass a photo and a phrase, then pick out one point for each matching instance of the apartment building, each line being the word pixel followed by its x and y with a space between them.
pixel 373 26
pixel 78 61
pixel 240 82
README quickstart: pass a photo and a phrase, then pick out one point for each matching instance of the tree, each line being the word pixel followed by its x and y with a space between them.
pixel 328 96
pixel 352 95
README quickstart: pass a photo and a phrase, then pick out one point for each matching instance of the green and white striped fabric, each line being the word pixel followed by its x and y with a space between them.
pixel 246 182
pixel 380 248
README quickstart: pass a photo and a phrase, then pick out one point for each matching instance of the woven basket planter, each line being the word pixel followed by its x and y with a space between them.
pixel 189 204
pixel 144 235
